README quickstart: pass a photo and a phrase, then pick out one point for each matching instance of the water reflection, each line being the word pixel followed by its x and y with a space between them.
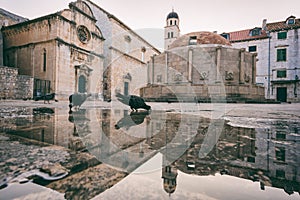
pixel 188 143
pixel 135 118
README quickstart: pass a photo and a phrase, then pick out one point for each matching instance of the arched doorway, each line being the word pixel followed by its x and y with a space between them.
pixel 82 84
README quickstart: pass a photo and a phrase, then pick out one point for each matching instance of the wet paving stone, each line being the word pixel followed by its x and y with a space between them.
pixel 101 152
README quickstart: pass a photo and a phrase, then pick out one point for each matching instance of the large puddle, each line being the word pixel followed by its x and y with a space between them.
pixel 114 154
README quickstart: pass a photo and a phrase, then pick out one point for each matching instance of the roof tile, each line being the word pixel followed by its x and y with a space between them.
pixel 244 35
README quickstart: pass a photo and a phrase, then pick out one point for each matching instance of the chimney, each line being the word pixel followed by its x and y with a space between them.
pixel 264 25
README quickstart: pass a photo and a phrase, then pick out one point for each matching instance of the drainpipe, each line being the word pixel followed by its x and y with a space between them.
pixel 269 66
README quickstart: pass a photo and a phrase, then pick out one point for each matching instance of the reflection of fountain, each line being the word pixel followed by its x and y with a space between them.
pixel 128 148
pixel 169 175
pixel 81 125
pixel 245 153
pixel 268 156
pixel 169 172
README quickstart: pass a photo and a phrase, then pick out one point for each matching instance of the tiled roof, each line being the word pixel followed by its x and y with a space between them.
pixel 245 35
pixel 276 26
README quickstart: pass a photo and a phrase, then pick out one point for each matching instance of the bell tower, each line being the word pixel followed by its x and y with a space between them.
pixel 172 31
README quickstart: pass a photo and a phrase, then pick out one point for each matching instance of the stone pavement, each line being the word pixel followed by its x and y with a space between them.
pixel 236 108
pixel 19 156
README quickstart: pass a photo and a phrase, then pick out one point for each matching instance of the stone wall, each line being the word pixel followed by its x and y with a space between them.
pixel 8 78
pixel 24 87
pixel 203 93
pixel 14 86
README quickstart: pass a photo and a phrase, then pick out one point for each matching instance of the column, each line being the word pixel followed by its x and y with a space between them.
pixel 148 72
pixel 166 70
pixel 152 59
pixel 218 64
pixel 254 68
pixel 242 66
pixel 190 64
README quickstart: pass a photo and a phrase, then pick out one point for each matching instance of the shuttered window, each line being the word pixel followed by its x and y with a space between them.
pixel 281 74
pixel 282 35
pixel 252 48
pixel 281 54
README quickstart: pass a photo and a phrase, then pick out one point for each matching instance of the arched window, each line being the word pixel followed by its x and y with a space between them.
pixel 172 35
pixel 175 22
pixel 44 60
pixel 171 22
pixel 168 34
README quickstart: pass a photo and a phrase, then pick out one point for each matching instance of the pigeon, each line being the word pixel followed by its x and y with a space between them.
pixel 135 102
pixel 77 99
pixel 46 97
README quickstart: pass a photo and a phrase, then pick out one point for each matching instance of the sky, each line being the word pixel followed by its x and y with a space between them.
pixel 195 15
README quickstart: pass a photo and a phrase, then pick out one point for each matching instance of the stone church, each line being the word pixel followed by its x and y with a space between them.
pixel 126 54
pixel 80 49
pixel 200 66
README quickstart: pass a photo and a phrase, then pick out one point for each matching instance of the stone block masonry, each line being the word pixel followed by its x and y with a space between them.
pixel 13 85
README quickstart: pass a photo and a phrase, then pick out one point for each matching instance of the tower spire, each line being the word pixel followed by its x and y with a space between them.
pixel 172 31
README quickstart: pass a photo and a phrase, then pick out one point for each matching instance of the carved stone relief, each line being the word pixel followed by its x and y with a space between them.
pixel 229 76
pixel 178 78
pixel 247 78
pixel 204 75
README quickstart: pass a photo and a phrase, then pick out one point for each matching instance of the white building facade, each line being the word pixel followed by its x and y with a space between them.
pixel 278 66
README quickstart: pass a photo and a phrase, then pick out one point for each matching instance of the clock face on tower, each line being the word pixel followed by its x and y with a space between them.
pixel 83 34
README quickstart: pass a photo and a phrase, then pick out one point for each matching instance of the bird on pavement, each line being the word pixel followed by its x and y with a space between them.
pixel 135 102
pixel 46 97
pixel 77 99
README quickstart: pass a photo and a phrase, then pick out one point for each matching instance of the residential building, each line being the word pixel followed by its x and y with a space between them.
pixel 277 47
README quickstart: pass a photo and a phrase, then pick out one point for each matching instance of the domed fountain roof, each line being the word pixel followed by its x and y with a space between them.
pixel 198 38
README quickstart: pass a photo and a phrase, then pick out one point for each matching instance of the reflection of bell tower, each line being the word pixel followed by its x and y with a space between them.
pixel 169 175
pixel 172 31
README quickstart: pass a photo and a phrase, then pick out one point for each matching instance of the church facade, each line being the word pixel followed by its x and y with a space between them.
pixel 201 66
pixel 62 51
pixel 126 54
pixel 80 49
